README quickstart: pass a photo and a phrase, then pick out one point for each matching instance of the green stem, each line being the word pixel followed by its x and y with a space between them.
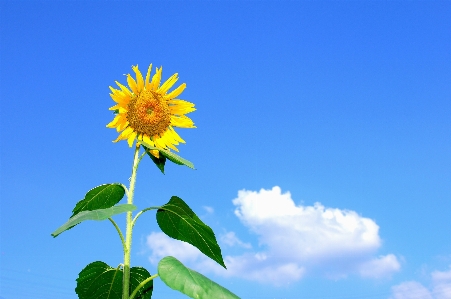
pixel 139 214
pixel 142 156
pixel 119 232
pixel 143 283
pixel 129 227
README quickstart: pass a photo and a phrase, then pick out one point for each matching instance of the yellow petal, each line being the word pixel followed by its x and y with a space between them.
pixel 124 89
pixel 155 153
pixel 124 134
pixel 119 106
pixel 113 123
pixel 180 107
pixel 147 140
pixel 132 83
pixel 182 121
pixel 168 84
pixel 121 124
pixel 168 140
pixel 123 110
pixel 119 96
pixel 159 142
pixel 176 92
pixel 148 77
pixel 139 78
pixel 176 136
pixel 131 138
pixel 156 79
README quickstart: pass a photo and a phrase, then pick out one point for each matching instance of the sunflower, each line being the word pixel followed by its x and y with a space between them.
pixel 147 112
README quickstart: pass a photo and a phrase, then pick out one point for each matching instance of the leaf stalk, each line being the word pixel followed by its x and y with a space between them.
pixel 119 232
pixel 145 210
pixel 143 283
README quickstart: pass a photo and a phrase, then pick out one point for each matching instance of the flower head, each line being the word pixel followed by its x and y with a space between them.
pixel 147 112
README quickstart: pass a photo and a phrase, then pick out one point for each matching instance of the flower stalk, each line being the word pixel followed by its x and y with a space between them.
pixel 129 227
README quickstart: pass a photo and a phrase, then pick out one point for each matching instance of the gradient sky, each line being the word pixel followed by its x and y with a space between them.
pixel 322 148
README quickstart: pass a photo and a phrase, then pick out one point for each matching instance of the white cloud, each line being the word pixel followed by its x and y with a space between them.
pixel 305 232
pixel 295 240
pixel 259 267
pixel 441 284
pixel 410 290
pixel 440 288
pixel 161 246
pixel 255 267
pixel 379 267
pixel 231 240
pixel 331 241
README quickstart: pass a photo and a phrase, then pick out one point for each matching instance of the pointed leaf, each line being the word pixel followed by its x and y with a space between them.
pixel 178 221
pixel 169 155
pixel 100 214
pixel 176 158
pixel 189 282
pixel 100 281
pixel 159 162
pixel 100 197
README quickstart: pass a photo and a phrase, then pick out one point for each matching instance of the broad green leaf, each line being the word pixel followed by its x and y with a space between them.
pixel 159 162
pixel 169 155
pixel 189 282
pixel 100 197
pixel 178 221
pixel 100 214
pixel 100 281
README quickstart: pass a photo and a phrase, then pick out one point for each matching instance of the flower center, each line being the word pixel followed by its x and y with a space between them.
pixel 148 113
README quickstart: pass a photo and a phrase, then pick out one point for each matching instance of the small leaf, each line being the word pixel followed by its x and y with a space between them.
pixel 178 221
pixel 189 282
pixel 100 214
pixel 169 155
pixel 100 281
pixel 176 158
pixel 159 162
pixel 100 197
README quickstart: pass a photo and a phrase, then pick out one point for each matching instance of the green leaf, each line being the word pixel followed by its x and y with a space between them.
pixel 176 158
pixel 178 221
pixel 100 281
pixel 169 155
pixel 138 275
pixel 191 283
pixel 100 197
pixel 159 162
pixel 100 214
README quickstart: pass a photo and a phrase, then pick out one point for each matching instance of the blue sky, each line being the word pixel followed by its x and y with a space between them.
pixel 322 148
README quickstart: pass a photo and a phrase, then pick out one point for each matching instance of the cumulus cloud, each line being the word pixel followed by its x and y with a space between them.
pixel 379 267
pixel 441 284
pixel 294 240
pixel 440 288
pixel 304 232
pixel 231 240
pixel 410 290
